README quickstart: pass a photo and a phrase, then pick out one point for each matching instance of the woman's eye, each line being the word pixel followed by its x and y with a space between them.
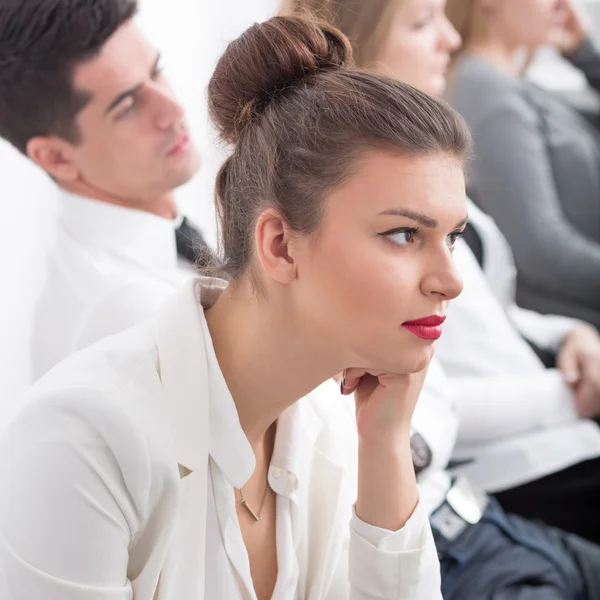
pixel 402 237
pixel 423 22
pixel 454 237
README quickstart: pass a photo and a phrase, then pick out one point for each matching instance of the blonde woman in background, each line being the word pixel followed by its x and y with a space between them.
pixel 504 393
pixel 537 167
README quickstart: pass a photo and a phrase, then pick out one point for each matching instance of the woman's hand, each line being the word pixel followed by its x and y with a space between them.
pixel 385 403
pixel 575 28
pixel 579 362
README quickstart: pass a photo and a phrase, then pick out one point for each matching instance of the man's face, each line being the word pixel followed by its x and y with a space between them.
pixel 135 145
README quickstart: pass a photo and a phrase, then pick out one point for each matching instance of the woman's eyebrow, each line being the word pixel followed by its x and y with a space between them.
pixel 410 214
pixel 418 217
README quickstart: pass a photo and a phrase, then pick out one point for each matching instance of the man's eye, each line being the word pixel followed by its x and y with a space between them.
pixel 124 112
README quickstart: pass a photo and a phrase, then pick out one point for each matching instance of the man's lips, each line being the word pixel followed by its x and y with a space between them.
pixel 181 145
pixel 428 328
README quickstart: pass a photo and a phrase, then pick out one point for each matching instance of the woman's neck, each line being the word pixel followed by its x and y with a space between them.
pixel 496 51
pixel 268 360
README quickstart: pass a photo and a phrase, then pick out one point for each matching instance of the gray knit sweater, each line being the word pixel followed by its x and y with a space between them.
pixel 537 173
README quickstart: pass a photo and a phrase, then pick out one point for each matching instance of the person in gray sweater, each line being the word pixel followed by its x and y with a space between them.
pixel 537 164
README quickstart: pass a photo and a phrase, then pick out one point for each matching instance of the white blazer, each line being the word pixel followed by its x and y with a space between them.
pixel 131 413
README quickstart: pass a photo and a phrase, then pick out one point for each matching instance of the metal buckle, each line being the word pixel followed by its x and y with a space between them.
pixel 467 500
pixel 464 506
pixel 447 522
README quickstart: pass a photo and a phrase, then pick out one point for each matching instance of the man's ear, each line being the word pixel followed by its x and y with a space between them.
pixel 273 246
pixel 54 156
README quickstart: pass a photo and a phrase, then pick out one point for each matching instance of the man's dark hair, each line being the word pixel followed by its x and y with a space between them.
pixel 41 43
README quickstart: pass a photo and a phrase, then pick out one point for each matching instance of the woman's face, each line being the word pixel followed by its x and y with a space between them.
pixel 383 257
pixel 528 23
pixel 418 45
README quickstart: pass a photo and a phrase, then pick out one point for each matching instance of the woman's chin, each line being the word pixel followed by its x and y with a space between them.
pixel 412 362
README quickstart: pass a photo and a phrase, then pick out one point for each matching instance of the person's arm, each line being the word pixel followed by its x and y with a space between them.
pixel 492 408
pixel 66 518
pixel 392 554
pixel 386 565
pixel 586 57
pixel 545 331
pixel 574 41
pixel 513 181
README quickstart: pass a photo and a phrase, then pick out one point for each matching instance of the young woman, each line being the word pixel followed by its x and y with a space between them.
pixel 517 419
pixel 203 455
pixel 537 171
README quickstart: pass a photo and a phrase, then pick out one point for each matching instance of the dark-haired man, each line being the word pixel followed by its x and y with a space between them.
pixel 82 95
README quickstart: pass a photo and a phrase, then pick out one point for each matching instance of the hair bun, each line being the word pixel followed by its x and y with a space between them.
pixel 267 59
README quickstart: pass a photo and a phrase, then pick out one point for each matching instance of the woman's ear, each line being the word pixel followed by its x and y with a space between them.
pixel 273 246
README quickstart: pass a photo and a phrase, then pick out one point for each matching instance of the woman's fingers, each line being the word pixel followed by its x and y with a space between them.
pixel 351 380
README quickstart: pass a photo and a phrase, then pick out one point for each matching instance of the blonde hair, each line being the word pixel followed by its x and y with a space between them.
pixel 461 13
pixel 365 22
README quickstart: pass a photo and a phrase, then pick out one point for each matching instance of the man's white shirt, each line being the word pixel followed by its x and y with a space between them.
pixel 517 418
pixel 111 267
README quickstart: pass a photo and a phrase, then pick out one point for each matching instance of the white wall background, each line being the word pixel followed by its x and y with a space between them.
pixel 191 34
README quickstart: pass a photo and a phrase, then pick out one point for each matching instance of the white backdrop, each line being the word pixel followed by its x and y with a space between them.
pixel 191 34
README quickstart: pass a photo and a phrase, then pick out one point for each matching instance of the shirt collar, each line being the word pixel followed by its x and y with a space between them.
pixel 285 468
pixel 142 237
pixel 228 445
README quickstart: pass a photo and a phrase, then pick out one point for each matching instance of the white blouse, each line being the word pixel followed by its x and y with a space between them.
pixel 119 475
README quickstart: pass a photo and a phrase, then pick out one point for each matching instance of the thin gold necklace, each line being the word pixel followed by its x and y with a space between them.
pixel 258 516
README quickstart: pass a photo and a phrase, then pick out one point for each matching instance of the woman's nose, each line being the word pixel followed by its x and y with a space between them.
pixel 444 280
pixel 450 39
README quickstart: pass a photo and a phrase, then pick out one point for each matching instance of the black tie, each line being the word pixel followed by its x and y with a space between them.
pixel 189 241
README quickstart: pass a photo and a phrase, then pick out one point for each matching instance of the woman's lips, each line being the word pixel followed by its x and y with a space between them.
pixel 428 328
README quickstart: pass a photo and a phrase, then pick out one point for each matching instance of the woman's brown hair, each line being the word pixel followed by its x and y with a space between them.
pixel 286 95
pixel 366 24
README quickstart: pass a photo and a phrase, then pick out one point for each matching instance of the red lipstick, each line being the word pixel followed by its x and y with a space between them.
pixel 428 328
